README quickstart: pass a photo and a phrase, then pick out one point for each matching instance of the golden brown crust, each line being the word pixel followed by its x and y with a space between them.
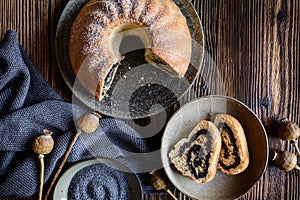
pixel 89 47
pixel 240 141
pixel 180 159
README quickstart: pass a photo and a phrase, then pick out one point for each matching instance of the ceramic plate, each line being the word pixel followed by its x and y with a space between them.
pixel 222 186
pixel 61 188
pixel 134 98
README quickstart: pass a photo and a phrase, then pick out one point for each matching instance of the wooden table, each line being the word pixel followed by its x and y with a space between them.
pixel 253 43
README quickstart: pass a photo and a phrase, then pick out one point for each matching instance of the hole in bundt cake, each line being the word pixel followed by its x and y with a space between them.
pixel 127 43
pixel 133 35
pixel 130 45
pixel 130 37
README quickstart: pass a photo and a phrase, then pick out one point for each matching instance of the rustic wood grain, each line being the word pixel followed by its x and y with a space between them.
pixel 252 54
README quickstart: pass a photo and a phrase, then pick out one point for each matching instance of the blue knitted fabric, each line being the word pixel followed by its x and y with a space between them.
pixel 27 106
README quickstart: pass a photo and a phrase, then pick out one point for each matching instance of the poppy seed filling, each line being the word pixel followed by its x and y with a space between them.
pixel 199 154
pixel 229 156
pixel 198 164
pixel 109 79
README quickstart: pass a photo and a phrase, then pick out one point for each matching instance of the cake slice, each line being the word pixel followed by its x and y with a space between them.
pixel 197 156
pixel 234 156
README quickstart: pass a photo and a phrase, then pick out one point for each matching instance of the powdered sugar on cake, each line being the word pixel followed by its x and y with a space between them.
pixel 98 20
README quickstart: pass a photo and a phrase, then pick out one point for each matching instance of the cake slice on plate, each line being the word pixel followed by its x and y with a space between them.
pixel 234 156
pixel 197 156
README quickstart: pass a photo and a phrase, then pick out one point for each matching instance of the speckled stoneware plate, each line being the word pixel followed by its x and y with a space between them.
pixel 61 188
pixel 133 98
pixel 222 186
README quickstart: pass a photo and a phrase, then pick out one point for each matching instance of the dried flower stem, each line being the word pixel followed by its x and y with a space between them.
pixel 294 143
pixel 42 144
pixel 41 158
pixel 62 164
pixel 171 194
pixel 87 123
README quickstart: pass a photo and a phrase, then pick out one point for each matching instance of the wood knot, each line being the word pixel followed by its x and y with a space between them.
pixel 265 102
pixel 281 16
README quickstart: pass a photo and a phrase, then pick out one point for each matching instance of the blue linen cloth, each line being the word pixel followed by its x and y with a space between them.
pixel 28 104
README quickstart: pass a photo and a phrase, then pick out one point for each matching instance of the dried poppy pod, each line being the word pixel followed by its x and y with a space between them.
pixel 159 184
pixel 284 160
pixel 43 145
pixel 288 130
pixel 87 123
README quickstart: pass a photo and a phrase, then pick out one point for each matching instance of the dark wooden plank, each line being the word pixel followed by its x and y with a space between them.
pixel 55 9
pixel 258 69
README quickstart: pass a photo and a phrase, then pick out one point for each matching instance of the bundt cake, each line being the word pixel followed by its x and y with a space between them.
pixel 197 156
pixel 234 156
pixel 100 26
